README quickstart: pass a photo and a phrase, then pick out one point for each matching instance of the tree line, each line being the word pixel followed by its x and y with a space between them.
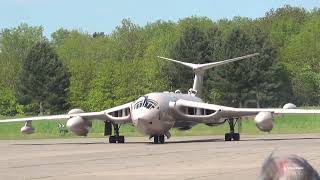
pixel 96 71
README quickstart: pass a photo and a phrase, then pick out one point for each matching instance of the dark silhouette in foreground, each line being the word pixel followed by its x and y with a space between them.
pixel 288 167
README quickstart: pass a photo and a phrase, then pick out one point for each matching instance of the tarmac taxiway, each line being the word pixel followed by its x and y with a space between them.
pixel 199 157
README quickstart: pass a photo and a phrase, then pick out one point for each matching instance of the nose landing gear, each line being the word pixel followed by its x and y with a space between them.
pixel 158 139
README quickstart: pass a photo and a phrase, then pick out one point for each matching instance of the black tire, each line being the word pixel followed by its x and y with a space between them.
pixel 121 139
pixel 161 139
pixel 236 136
pixel 156 139
pixel 227 137
pixel 112 139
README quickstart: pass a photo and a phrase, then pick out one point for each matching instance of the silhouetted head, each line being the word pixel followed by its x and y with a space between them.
pixel 290 167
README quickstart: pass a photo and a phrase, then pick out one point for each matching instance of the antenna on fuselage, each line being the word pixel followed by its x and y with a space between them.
pixel 199 69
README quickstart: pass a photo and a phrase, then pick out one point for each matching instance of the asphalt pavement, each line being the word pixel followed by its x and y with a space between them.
pixel 198 157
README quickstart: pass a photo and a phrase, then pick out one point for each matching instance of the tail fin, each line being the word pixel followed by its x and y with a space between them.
pixel 199 69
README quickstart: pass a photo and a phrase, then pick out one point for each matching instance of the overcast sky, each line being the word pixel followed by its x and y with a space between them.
pixel 105 15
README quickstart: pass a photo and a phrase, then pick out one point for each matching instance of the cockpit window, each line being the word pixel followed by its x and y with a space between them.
pixel 145 102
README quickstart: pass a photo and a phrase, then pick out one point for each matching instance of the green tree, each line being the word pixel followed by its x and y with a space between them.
pixel 15 45
pixel 191 47
pixel 128 41
pixel 59 36
pixel 302 58
pixel 282 23
pixel 268 79
pixel 103 95
pixel 231 79
pixel 83 55
pixel 162 38
pixel 44 81
pixel 203 23
pixel 8 103
pixel 261 81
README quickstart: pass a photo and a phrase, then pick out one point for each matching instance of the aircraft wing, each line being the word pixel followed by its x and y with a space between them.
pixel 198 111
pixel 253 111
pixel 56 117
pixel 119 114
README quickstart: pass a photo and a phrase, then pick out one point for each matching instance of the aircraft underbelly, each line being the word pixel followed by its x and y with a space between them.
pixel 153 126
pixel 186 125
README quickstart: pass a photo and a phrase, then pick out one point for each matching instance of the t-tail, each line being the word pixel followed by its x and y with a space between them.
pixel 199 70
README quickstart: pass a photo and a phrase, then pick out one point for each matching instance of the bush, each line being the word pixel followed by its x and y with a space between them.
pixel 8 103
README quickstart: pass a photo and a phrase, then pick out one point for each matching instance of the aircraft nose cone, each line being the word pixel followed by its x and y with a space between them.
pixel 145 116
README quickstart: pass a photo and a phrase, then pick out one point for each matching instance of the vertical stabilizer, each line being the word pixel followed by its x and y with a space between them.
pixel 199 70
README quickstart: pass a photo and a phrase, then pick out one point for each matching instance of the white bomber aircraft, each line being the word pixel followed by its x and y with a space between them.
pixel 155 114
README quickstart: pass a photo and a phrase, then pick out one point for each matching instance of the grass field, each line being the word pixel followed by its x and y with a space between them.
pixel 283 124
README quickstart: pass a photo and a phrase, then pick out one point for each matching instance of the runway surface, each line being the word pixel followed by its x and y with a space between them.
pixel 201 157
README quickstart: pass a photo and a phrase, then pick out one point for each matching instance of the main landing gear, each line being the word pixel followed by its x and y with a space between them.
pixel 116 138
pixel 158 139
pixel 232 135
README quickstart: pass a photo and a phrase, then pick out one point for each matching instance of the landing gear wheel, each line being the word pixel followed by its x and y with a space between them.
pixel 236 136
pixel 227 137
pixel 161 139
pixel 121 139
pixel 112 139
pixel 232 135
pixel 158 139
pixel 116 138
pixel 155 139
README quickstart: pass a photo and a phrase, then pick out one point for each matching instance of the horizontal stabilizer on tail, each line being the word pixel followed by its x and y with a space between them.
pixel 203 67
pixel 199 70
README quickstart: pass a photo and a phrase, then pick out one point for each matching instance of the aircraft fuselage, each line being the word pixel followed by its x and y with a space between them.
pixel 151 113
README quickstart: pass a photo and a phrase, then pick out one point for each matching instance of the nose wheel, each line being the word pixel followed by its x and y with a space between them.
pixel 158 139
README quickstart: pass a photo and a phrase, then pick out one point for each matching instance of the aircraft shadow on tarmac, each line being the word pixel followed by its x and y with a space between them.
pixel 281 139
pixel 57 143
pixel 169 142
pixel 136 142
pixel 251 139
